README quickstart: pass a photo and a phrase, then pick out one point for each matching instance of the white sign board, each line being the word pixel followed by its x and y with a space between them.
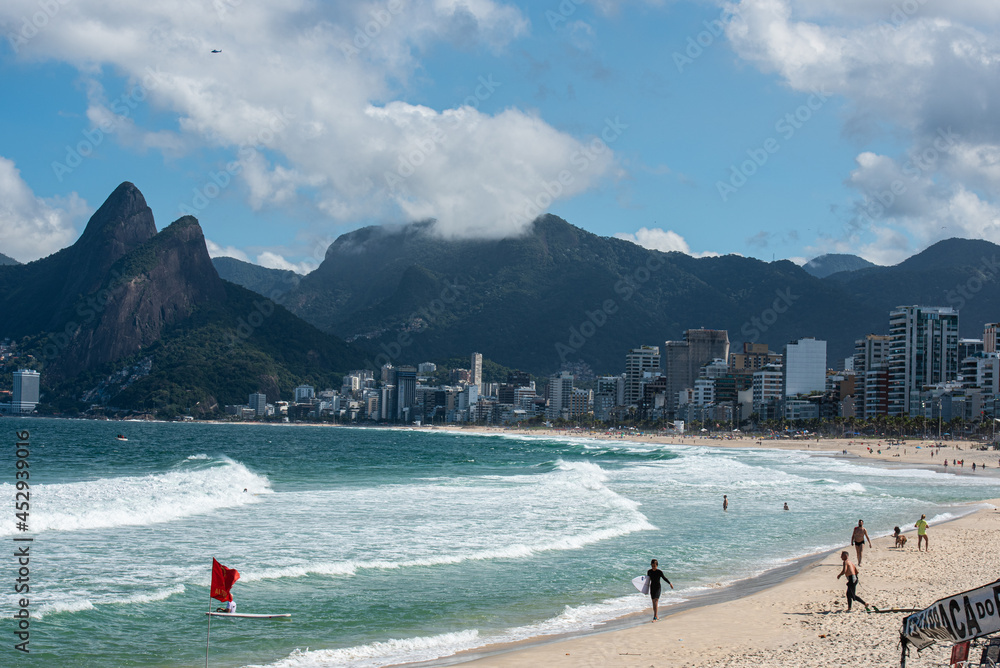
pixel 955 619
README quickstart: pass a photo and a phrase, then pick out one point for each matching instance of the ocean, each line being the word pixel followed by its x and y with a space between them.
pixel 392 546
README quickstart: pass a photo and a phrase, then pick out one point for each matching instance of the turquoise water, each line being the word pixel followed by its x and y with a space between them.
pixel 392 546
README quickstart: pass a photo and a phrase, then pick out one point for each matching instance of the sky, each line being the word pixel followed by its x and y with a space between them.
pixel 767 128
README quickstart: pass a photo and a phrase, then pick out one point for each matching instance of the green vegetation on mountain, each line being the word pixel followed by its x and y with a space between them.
pixel 556 296
pixel 217 357
pixel 138 320
pixel 271 283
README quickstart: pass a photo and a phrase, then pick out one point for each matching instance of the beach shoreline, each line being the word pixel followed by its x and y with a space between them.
pixel 786 617
pixel 789 586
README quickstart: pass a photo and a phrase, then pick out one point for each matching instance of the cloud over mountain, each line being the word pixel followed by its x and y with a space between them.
pixel 339 132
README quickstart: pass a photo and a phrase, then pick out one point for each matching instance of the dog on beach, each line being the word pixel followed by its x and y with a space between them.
pixel 900 538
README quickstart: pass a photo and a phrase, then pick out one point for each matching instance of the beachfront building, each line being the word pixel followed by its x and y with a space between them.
pixel 754 357
pixel 805 367
pixel 766 389
pixel 25 395
pixel 258 402
pixel 990 337
pixel 970 348
pixel 560 395
pixel 638 363
pixel 304 394
pixel 476 371
pixel 871 368
pixel 683 360
pixel 406 393
pixel 923 351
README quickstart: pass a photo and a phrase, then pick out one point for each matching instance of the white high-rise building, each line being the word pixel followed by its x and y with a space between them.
pixel 476 371
pixel 766 386
pixel 560 394
pixel 805 367
pixel 304 394
pixel 639 362
pixel 25 397
pixel 923 351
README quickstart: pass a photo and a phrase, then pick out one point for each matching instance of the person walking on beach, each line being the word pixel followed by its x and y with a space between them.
pixel 725 502
pixel 858 537
pixel 851 571
pixel 654 574
pixel 922 533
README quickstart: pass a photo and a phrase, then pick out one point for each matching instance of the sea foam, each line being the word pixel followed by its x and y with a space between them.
pixel 192 489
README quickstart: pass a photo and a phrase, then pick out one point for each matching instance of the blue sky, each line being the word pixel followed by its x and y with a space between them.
pixel 768 128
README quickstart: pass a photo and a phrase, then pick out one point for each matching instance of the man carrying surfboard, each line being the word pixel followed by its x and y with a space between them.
pixel 653 575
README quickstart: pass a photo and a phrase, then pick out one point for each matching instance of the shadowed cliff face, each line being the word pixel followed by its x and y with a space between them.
pixel 113 291
pixel 156 285
pixel 43 295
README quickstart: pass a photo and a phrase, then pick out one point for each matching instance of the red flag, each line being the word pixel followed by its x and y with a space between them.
pixel 222 581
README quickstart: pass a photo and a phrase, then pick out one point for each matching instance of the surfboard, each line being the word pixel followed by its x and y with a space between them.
pixel 641 583
pixel 244 614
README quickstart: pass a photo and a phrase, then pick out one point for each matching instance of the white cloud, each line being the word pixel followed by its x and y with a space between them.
pixel 662 240
pixel 657 239
pixel 273 260
pixel 336 131
pixel 32 227
pixel 917 70
pixel 215 250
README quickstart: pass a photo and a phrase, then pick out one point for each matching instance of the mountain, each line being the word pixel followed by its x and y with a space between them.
pixel 141 319
pixel 557 295
pixel 271 283
pixel 961 273
pixel 122 224
pixel 832 263
pixel 4 259
pixel 560 296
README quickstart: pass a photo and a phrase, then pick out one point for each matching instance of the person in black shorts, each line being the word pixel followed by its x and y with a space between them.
pixel 655 574
pixel 858 538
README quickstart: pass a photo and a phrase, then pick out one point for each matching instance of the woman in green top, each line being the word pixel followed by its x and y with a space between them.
pixel 922 533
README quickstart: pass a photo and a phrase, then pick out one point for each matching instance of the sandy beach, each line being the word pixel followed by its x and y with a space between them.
pixel 803 620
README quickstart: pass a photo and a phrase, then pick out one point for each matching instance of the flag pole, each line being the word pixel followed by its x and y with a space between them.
pixel 208 638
